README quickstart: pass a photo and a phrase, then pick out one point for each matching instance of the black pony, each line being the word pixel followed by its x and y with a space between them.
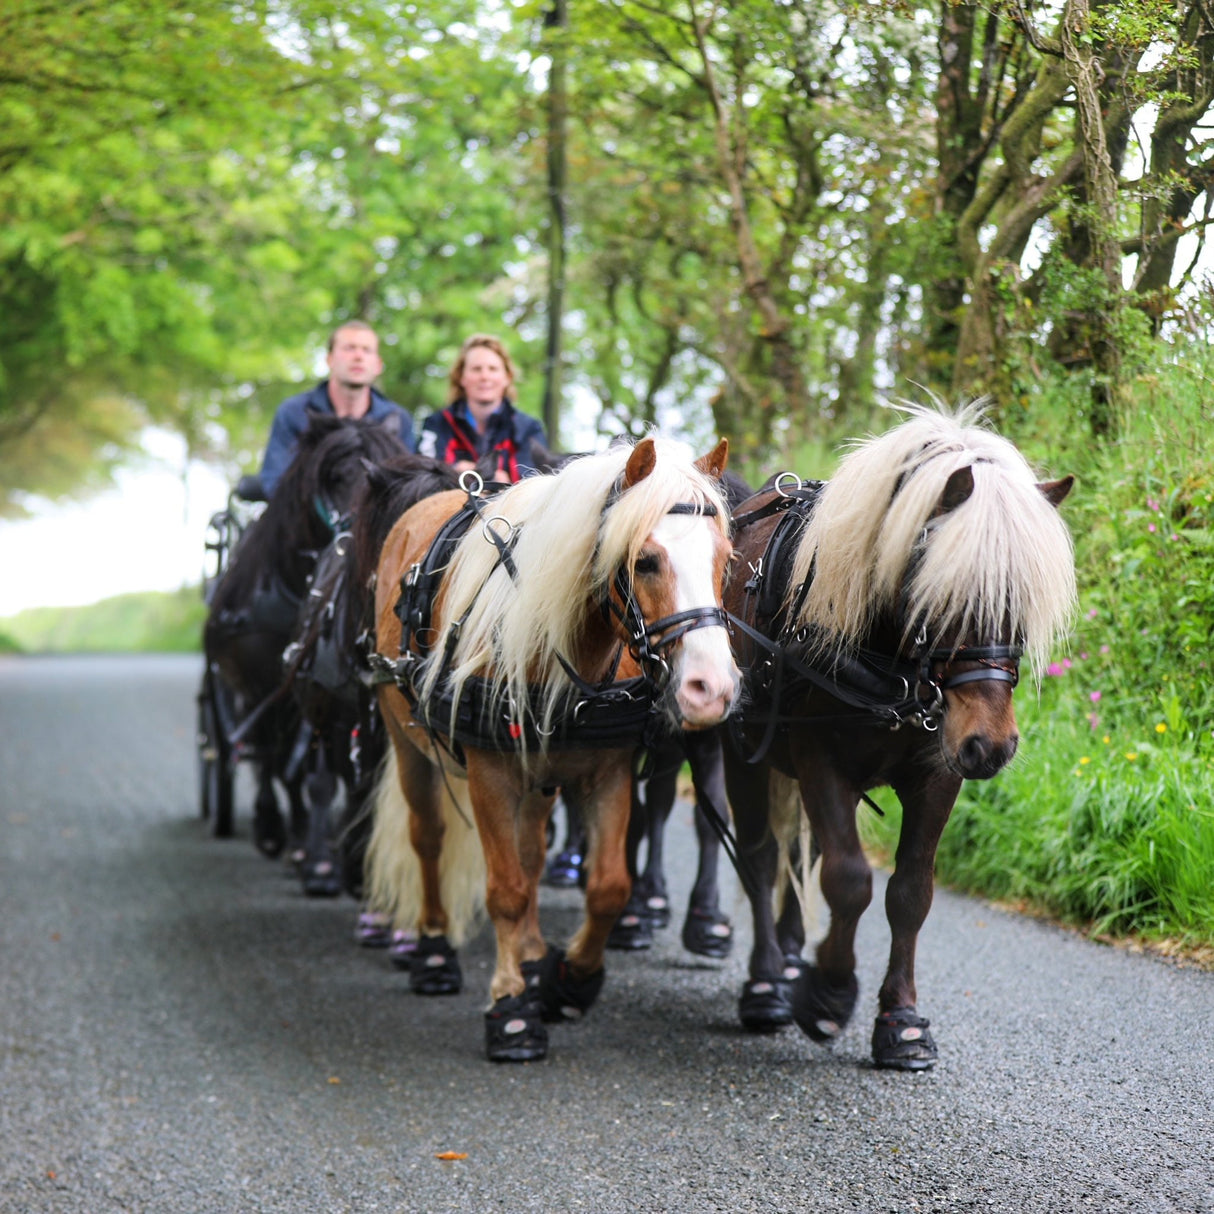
pixel 255 609
pixel 327 671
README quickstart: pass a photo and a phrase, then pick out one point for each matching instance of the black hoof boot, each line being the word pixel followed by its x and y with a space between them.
pixel 707 933
pixel 901 1041
pixel 655 906
pixel 820 1008
pixel 434 968
pixel 514 1030
pixel 764 1006
pixel 321 880
pixel 563 995
pixel 633 930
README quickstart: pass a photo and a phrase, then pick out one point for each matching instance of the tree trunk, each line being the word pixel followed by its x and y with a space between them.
pixel 556 19
pixel 1100 183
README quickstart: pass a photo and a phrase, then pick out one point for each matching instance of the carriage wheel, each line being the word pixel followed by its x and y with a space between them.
pixel 215 775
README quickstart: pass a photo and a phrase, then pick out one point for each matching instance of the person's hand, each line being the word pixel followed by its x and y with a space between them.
pixel 464 465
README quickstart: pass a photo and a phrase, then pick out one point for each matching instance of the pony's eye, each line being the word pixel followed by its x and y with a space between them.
pixel 647 565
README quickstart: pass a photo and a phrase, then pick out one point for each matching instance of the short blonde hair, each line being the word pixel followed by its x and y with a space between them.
pixel 475 342
pixel 360 325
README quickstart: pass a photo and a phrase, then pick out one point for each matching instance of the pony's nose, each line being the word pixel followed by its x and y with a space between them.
pixel 705 699
pixel 979 757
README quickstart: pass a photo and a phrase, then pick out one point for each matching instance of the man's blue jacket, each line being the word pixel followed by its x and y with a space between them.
pixel 291 420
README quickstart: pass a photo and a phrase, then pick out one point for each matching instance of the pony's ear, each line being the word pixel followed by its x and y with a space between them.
pixel 713 464
pixel 1055 491
pixel 957 489
pixel 640 463
pixel 391 424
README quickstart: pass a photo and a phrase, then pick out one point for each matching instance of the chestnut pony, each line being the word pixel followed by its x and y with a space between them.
pixel 576 618
pixel 881 619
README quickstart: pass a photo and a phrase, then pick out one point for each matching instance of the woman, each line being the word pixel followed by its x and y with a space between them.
pixel 480 417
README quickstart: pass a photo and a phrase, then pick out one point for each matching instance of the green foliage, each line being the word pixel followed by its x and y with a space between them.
pixel 128 623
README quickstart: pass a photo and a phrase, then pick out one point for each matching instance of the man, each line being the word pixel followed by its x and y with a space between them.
pixel 354 364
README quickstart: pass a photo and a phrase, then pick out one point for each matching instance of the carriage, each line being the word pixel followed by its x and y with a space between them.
pixel 217 754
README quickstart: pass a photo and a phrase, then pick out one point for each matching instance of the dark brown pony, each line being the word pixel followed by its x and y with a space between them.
pixel 881 618
pixel 255 610
pixel 576 618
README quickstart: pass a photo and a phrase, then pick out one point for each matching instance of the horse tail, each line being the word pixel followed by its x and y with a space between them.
pixel 394 871
pixel 798 871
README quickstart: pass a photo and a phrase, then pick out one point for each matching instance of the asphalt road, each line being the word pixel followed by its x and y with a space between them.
pixel 181 1031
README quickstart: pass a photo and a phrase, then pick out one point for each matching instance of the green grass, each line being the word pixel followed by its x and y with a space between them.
pixel 128 623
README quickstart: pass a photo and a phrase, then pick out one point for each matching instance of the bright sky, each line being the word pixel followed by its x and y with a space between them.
pixel 147 534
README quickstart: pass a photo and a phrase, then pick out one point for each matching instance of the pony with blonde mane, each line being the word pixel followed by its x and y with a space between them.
pixel 885 616
pixel 575 620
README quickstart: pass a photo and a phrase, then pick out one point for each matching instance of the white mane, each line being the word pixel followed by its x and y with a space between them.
pixel 1003 558
pixel 567 552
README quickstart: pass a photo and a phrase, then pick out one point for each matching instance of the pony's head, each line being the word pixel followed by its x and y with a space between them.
pixel 310 505
pixel 329 466
pixel 641 524
pixel 937 539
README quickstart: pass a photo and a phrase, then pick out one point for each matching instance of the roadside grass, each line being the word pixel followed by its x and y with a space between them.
pixel 128 623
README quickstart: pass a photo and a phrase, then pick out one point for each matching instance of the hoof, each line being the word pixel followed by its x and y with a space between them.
pixel 434 968
pixel 564 870
pixel 269 831
pixel 707 933
pixel 764 1006
pixel 514 1030
pixel 373 930
pixel 901 1041
pixel 321 880
pixel 402 948
pixel 633 930
pixel 820 1008
pixel 562 994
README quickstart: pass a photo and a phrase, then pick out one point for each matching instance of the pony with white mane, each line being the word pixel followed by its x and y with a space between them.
pixel 546 636
pixel 887 613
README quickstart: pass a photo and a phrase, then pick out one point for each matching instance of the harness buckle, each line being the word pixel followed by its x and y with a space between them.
pixel 471 482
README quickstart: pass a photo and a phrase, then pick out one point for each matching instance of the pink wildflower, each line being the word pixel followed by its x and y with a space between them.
pixel 1094 697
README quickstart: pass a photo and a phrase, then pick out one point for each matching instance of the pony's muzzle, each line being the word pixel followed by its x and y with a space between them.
pixel 979 757
pixel 706 692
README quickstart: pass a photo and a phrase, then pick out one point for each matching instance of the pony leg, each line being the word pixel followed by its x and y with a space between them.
pixel 706 931
pixel 649 803
pixel 570 982
pixel 825 994
pixel 901 1040
pixel 564 870
pixel 512 832
pixel 534 815
pixel 269 830
pixel 319 872
pixel 764 1003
